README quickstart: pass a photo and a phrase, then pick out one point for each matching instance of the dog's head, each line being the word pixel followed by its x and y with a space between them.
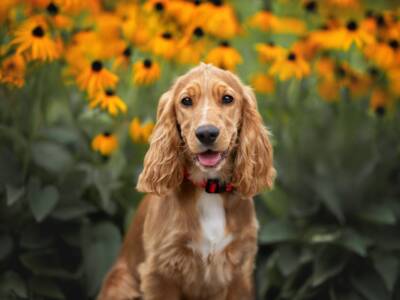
pixel 208 121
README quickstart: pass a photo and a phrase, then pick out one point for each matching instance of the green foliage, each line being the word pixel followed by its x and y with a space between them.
pixel 329 228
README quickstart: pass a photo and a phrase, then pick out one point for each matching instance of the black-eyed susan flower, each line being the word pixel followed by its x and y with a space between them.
pixel 12 70
pixel 140 133
pixel 394 82
pixel 123 59
pixel 293 65
pixel 96 78
pixel 262 83
pixel 269 51
pixel 224 56
pixel 108 100
pixel 192 46
pixel 329 90
pixel 32 38
pixel 381 54
pixel 105 143
pixel 352 33
pixel 218 19
pixel 164 45
pixel 266 21
pixel 59 20
pixel 145 72
pixel 325 68
pixel 345 3
pixel 380 101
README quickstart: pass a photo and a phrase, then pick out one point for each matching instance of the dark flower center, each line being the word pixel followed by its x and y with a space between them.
pixel 291 56
pixel 380 21
pixel 311 6
pixel 127 52
pixel 373 72
pixel 52 9
pixel 352 25
pixel 147 63
pixel 340 71
pixel 198 31
pixel 380 111
pixel 38 32
pixel 394 44
pixel 224 44
pixel 271 44
pixel 217 2
pixel 197 2
pixel 167 35
pixel 159 6
pixel 110 92
pixel 107 133
pixel 97 66
pixel 11 66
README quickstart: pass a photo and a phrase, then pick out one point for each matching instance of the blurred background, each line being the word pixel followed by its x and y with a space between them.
pixel 79 86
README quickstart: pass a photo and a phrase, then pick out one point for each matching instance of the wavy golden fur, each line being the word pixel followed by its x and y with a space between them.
pixel 169 251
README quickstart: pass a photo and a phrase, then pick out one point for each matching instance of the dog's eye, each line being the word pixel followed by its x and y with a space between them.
pixel 187 101
pixel 226 99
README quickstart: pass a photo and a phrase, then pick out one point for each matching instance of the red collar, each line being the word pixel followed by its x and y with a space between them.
pixel 212 186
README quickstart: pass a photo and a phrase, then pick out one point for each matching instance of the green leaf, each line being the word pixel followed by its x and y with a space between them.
pixel 370 285
pixel 288 259
pixel 329 262
pixel 329 198
pixel 380 214
pixel 387 266
pixel 51 156
pixel 42 202
pixel 277 231
pixel 354 242
pixel 46 287
pixel 101 244
pixel 7 244
pixel 12 283
pixel 72 210
pixel 14 193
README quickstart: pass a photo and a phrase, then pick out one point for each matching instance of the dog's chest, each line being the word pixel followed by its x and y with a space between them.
pixel 212 222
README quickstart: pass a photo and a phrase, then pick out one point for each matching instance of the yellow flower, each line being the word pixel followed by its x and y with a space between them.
pixel 394 82
pixel 345 3
pixel 266 21
pixel 191 47
pixel 344 37
pixel 218 19
pixel 224 56
pixel 59 20
pixel 96 78
pixel 32 39
pixel 325 68
pixel 123 59
pixel 379 101
pixel 105 143
pixel 329 90
pixel 164 45
pixel 145 72
pixel 13 70
pixel 262 83
pixel 381 54
pixel 107 100
pixel 140 133
pixel 293 65
pixel 269 51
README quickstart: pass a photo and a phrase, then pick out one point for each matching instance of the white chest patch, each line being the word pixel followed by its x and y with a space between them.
pixel 212 221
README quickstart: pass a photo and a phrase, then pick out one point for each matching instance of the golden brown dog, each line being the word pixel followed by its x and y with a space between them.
pixel 194 235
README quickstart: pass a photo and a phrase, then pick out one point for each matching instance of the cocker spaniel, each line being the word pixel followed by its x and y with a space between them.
pixel 194 235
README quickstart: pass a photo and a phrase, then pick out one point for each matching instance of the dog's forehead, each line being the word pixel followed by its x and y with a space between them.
pixel 205 76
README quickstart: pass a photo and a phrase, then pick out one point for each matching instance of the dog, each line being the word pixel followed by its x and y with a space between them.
pixel 194 235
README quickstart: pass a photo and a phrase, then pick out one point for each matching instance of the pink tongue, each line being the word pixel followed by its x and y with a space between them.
pixel 209 159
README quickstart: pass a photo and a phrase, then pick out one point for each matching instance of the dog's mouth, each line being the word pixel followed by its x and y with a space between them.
pixel 210 159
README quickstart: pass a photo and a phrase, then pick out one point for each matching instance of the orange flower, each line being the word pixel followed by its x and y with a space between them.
pixel 224 57
pixel 145 72
pixel 164 45
pixel 262 83
pixel 140 133
pixel 96 78
pixel 270 52
pixel 344 37
pixel 293 65
pixel 105 143
pixel 13 70
pixel 32 39
pixel 108 100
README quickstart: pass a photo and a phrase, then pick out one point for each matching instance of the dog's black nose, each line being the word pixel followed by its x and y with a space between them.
pixel 207 134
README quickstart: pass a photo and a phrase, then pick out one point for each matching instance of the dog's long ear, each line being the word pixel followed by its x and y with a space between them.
pixel 163 166
pixel 254 169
